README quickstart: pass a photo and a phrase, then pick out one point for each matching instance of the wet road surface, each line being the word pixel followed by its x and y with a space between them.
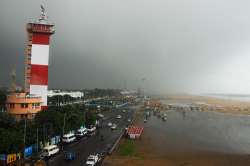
pixel 93 144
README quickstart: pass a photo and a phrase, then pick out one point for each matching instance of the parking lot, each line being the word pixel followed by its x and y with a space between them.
pixel 94 143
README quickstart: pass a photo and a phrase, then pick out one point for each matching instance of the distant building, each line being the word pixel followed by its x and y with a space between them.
pixel 22 105
pixel 75 94
pixel 128 92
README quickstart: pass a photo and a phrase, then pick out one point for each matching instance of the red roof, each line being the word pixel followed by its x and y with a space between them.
pixel 135 130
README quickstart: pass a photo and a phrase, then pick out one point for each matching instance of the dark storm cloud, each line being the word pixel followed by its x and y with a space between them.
pixel 177 45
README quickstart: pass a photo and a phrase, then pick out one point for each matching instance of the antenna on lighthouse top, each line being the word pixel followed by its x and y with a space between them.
pixel 42 10
pixel 43 17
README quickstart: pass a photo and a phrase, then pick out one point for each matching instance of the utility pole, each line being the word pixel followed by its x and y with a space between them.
pixel 143 87
pixel 84 116
pixel 64 122
pixel 43 133
pixel 64 119
pixel 24 136
pixel 37 140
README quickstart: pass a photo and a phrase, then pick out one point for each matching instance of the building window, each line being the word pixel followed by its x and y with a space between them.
pixel 35 105
pixel 32 116
pixel 12 105
pixel 24 105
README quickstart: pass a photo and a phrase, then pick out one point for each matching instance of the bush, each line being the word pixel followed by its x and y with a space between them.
pixel 127 148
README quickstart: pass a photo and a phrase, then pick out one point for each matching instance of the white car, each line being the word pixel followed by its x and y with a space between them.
pixel 100 115
pixel 49 151
pixel 91 129
pixel 118 117
pixel 164 118
pixel 109 124
pixel 81 132
pixel 92 160
pixel 67 138
pixel 114 126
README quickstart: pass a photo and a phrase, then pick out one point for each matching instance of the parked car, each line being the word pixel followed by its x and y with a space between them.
pixel 49 151
pixel 81 132
pixel 68 138
pixel 92 160
pixel 69 155
pixel 118 117
pixel 109 124
pixel 164 118
pixel 114 126
pixel 91 129
pixel 100 115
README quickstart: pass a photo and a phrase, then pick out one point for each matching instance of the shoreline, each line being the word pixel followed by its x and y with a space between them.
pixel 207 103
pixel 147 152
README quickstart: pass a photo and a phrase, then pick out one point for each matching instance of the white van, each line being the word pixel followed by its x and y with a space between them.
pixel 100 115
pixel 67 138
pixel 50 150
pixel 81 132
pixel 91 129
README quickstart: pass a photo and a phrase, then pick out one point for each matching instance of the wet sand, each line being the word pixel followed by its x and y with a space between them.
pixel 195 138
pixel 224 105
pixel 178 160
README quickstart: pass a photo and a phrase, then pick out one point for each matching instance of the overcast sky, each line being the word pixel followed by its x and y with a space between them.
pixel 197 46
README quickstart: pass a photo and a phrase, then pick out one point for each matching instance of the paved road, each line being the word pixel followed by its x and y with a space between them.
pixel 93 144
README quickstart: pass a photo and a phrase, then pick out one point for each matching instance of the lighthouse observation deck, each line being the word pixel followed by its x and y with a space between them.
pixel 42 25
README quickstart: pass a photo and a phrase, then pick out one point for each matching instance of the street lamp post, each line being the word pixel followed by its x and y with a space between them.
pixel 24 136
pixel 64 118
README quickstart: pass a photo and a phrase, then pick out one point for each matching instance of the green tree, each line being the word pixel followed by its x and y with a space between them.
pixel 48 123
pixel 90 118
pixel 11 137
pixel 3 96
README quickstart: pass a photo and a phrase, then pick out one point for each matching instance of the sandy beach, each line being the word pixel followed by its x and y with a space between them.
pixel 156 149
pixel 212 104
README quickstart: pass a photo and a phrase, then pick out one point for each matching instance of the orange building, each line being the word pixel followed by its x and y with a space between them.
pixel 23 106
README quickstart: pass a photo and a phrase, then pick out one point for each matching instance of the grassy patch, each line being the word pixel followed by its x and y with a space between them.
pixel 139 157
pixel 127 148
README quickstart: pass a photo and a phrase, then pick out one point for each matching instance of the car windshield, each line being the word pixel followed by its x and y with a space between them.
pixel 90 160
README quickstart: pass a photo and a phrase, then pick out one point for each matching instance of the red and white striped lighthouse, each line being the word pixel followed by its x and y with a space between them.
pixel 37 57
